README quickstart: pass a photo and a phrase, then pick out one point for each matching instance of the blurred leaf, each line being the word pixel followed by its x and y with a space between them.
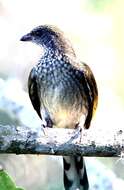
pixel 6 183
pixel 99 5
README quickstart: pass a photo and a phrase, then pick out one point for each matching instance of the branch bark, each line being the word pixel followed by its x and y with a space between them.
pixel 23 140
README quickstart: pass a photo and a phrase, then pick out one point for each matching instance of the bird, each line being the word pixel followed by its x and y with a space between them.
pixel 63 92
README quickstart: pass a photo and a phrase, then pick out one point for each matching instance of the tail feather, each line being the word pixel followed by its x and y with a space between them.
pixel 75 176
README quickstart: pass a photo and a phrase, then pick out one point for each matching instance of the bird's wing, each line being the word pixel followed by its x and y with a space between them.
pixel 91 92
pixel 33 91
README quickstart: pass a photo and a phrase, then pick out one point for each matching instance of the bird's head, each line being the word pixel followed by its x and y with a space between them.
pixel 43 35
pixel 49 37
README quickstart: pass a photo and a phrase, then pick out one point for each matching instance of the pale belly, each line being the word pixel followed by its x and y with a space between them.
pixel 68 118
pixel 66 113
pixel 65 109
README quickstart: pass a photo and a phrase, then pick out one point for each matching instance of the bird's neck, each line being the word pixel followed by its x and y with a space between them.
pixel 52 53
pixel 57 46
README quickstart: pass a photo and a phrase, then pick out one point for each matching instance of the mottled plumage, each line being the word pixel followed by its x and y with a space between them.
pixel 63 91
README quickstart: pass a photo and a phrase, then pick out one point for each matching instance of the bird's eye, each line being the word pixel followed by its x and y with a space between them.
pixel 35 33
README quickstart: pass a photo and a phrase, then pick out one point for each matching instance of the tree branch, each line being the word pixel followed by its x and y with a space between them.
pixel 23 140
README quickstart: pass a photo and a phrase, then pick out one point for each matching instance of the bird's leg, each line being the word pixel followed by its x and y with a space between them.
pixel 79 129
pixel 43 126
pixel 47 122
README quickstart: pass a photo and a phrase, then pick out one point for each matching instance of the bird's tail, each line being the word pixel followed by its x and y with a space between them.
pixel 75 176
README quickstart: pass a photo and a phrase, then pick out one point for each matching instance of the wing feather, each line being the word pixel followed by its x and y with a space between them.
pixel 91 93
pixel 33 91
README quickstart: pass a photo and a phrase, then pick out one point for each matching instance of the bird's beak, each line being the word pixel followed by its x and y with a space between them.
pixel 26 37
